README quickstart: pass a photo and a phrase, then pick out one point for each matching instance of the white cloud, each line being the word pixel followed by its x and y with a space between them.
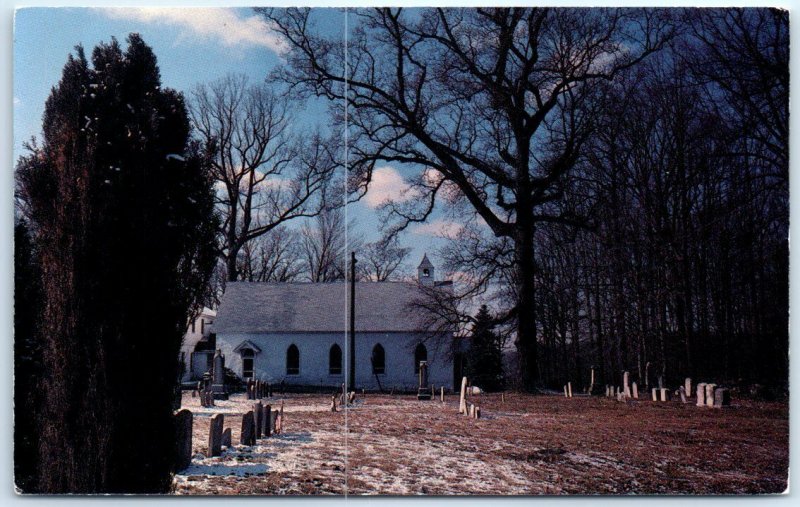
pixel 387 185
pixel 225 26
pixel 439 228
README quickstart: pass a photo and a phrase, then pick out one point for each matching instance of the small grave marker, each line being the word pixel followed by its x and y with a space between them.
pixel 701 394
pixel 258 413
pixel 215 435
pixel 710 394
pixel 248 436
pixel 183 426
pixel 722 397
pixel 226 438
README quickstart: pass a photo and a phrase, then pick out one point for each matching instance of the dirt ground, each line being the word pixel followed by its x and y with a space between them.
pixel 527 445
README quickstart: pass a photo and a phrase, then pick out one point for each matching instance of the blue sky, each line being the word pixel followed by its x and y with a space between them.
pixel 193 46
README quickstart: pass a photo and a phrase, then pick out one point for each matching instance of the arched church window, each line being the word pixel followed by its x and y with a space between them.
pixel 378 359
pixel 335 360
pixel 292 360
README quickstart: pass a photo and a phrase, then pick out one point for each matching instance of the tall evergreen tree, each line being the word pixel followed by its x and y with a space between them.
pixel 27 358
pixel 485 355
pixel 121 205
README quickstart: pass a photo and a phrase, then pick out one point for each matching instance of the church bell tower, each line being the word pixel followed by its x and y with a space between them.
pixel 425 272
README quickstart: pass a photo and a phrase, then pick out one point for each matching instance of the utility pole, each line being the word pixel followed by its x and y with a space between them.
pixel 352 345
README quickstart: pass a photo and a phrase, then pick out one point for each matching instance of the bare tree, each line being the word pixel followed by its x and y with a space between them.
pixel 496 103
pixel 382 260
pixel 323 247
pixel 272 257
pixel 267 175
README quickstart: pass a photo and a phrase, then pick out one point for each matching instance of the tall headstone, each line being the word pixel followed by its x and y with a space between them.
pixel 258 413
pixel 183 439
pixel 569 389
pixel 462 401
pixel 635 389
pixel 218 375
pixel 273 423
pixel 226 438
pixel 441 394
pixel 265 420
pixel 682 390
pixel 626 386
pixel 710 394
pixel 591 384
pixel 566 395
pixel 655 394
pixel 687 387
pixel 722 397
pixel 664 394
pixel 248 435
pixel 422 390
pixel 701 394
pixel 215 435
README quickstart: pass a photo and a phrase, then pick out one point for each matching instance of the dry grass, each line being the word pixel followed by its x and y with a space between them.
pixel 397 445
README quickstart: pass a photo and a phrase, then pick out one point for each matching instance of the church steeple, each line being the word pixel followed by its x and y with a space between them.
pixel 425 272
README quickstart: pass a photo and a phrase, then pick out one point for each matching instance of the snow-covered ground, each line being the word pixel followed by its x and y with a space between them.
pixel 397 445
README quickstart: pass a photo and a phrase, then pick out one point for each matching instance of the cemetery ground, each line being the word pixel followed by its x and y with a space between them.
pixel 521 445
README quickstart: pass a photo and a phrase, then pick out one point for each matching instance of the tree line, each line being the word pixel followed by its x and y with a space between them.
pixel 621 175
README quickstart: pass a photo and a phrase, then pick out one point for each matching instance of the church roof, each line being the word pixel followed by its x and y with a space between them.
pixel 426 263
pixel 251 307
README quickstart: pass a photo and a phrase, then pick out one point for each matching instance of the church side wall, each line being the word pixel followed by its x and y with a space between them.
pixel 270 363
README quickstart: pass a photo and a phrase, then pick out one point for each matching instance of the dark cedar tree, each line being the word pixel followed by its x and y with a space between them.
pixel 485 356
pixel 122 209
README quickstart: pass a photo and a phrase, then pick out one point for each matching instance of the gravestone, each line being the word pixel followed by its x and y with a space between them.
pixel 626 385
pixel 226 438
pixel 687 387
pixel 591 383
pixel 682 390
pixel 258 413
pixel 655 394
pixel 701 394
pixel 462 402
pixel 279 421
pixel 273 423
pixel 660 381
pixel 441 394
pixel 265 420
pixel 664 394
pixel 722 397
pixel 248 436
pixel 422 390
pixel 566 395
pixel 218 374
pixel 183 439
pixel 249 389
pixel 635 389
pixel 215 435
pixel 333 403
pixel 710 394
pixel 477 412
pixel 569 389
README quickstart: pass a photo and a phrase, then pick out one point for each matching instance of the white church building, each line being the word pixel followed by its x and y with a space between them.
pixel 296 333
